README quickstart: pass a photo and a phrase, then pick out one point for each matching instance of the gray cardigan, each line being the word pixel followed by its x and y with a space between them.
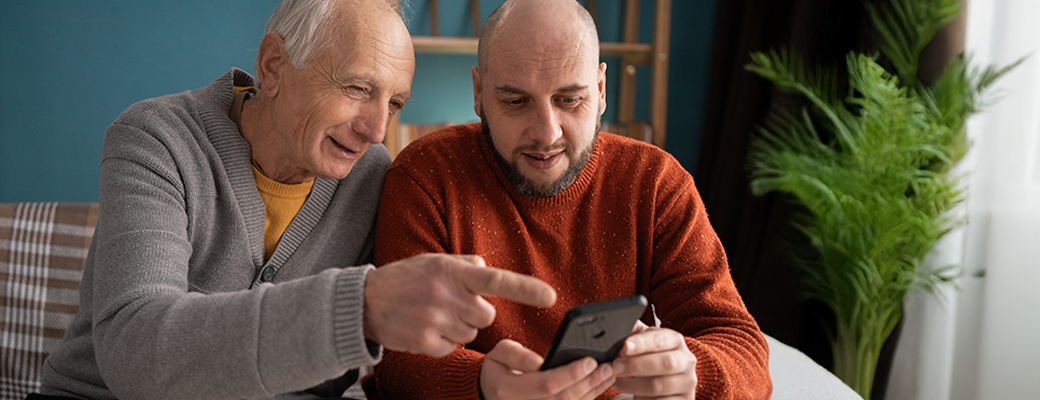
pixel 176 300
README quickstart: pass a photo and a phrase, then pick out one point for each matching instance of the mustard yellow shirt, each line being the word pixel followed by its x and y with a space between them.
pixel 281 203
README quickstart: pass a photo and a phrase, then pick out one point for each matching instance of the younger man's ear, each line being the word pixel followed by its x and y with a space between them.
pixel 476 90
pixel 602 84
pixel 271 62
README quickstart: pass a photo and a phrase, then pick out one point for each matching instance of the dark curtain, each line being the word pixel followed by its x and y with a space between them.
pixel 754 230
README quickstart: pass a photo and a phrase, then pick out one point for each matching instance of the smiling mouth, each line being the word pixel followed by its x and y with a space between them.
pixel 341 146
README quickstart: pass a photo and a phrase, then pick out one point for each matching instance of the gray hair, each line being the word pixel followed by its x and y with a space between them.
pixel 305 26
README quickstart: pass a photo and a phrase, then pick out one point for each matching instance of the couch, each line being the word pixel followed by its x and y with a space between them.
pixel 42 250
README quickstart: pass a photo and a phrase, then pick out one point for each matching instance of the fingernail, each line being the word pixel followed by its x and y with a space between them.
pixel 607 372
pixel 619 368
pixel 590 365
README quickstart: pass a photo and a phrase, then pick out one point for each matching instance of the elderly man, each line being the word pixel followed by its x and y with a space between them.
pixel 229 213
pixel 534 188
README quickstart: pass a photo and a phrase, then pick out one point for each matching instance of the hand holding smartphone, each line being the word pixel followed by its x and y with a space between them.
pixel 596 330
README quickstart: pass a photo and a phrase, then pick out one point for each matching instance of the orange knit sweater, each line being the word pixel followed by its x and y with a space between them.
pixel 631 223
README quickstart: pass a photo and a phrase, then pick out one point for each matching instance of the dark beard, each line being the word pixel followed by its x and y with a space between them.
pixel 523 185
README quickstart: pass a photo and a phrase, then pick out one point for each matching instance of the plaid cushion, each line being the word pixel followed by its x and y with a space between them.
pixel 42 250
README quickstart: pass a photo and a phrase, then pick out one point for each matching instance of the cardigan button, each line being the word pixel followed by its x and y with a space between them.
pixel 267 275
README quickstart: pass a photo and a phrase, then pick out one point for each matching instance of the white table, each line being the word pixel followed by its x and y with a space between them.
pixel 798 377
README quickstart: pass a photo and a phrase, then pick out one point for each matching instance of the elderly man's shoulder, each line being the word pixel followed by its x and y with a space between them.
pixel 199 106
pixel 156 107
pixel 185 123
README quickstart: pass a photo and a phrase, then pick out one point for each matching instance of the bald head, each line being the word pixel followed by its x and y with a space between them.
pixel 563 23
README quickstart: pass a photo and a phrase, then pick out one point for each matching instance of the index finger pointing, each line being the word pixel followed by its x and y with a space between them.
pixel 508 285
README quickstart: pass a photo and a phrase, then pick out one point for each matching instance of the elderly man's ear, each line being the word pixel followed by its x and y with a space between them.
pixel 270 61
pixel 476 90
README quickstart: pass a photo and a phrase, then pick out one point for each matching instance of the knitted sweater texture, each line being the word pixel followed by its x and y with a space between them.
pixel 177 299
pixel 631 223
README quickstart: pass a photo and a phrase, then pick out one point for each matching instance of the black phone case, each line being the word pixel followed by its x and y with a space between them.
pixel 596 330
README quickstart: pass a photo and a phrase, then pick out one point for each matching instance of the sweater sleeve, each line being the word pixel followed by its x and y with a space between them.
pixel 693 293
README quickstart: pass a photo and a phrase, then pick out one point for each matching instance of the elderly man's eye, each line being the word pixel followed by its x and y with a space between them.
pixel 356 90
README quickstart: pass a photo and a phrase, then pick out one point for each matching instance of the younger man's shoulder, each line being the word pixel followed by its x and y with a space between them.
pixel 623 151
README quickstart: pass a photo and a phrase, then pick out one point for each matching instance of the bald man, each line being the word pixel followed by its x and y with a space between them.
pixel 535 188
pixel 231 217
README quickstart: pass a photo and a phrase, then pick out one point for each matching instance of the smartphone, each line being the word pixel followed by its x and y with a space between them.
pixel 596 330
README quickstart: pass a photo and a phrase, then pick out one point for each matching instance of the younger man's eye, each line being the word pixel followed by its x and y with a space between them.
pixel 515 102
pixel 569 101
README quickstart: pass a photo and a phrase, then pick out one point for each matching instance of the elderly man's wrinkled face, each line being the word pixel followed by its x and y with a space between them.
pixel 333 109
pixel 541 101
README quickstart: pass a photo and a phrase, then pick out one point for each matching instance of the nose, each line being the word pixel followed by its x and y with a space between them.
pixel 372 121
pixel 545 128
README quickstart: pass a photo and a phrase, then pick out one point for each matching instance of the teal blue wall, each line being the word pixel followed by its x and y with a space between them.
pixel 68 68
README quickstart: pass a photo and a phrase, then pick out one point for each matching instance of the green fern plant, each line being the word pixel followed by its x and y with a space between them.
pixel 869 161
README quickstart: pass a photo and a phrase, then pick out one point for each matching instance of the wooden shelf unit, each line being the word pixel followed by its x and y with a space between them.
pixel 636 53
pixel 630 51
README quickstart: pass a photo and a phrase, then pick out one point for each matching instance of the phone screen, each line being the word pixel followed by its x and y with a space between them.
pixel 596 330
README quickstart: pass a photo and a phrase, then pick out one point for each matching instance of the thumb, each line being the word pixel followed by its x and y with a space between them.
pixel 473 259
